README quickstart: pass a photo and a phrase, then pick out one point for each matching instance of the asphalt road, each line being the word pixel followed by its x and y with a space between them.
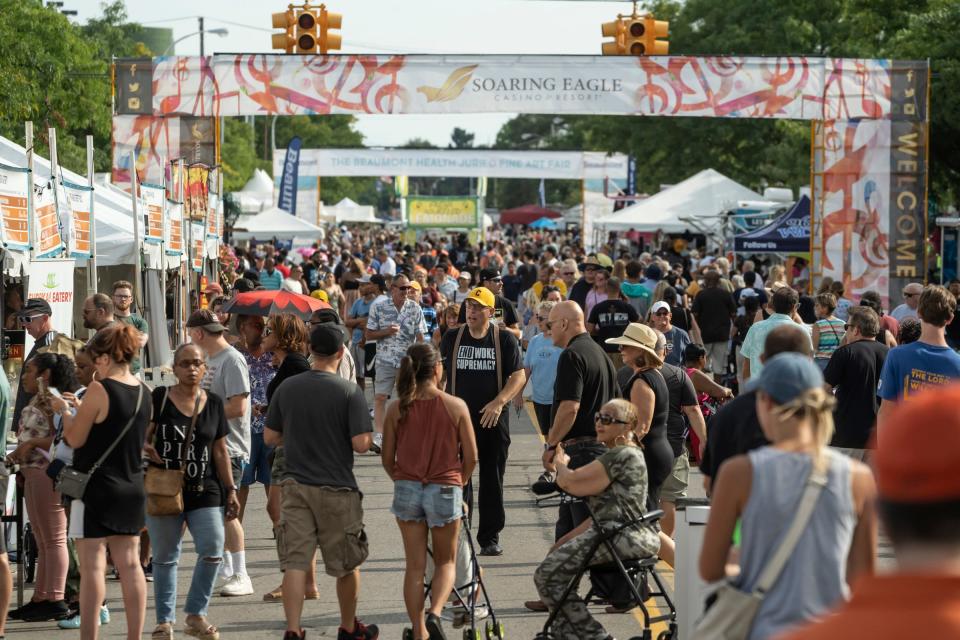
pixel 508 578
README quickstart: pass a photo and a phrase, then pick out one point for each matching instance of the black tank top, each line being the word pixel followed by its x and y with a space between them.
pixel 661 407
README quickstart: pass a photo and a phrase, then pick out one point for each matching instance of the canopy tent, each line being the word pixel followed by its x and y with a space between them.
pixel 704 194
pixel 526 214
pixel 112 213
pixel 348 211
pixel 545 223
pixel 274 223
pixel 789 233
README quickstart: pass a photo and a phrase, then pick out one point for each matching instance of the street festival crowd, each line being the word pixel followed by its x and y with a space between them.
pixel 815 418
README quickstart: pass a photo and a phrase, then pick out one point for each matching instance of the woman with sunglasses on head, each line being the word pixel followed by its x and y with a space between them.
pixel 181 411
pixel 540 365
pixel 115 410
pixel 285 336
pixel 615 487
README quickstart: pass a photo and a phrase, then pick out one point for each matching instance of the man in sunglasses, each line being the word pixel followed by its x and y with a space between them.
pixel 36 318
pixel 503 311
pixel 395 322
pixel 911 300
pixel 677 339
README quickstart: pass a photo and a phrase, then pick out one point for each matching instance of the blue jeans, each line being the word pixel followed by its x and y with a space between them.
pixel 258 469
pixel 206 527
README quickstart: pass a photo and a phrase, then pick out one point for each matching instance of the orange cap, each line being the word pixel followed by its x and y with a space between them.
pixel 919 454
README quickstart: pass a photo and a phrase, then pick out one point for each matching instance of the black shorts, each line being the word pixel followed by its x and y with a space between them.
pixel 370 356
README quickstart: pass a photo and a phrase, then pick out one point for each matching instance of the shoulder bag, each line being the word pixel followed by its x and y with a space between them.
pixel 164 487
pixel 73 483
pixel 731 615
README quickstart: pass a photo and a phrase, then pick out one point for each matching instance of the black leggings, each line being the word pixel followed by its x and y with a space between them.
pixel 658 454
pixel 542 412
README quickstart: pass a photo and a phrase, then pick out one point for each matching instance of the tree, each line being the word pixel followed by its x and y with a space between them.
pixel 461 139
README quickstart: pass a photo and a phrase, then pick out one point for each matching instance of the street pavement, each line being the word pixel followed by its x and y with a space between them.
pixel 528 535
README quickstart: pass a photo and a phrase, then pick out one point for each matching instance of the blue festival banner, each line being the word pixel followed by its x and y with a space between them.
pixel 288 182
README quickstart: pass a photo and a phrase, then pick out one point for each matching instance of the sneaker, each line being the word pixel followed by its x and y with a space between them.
pixel 148 571
pixel 73 622
pixel 536 605
pixel 17 614
pixel 377 443
pixel 360 632
pixel 237 585
pixel 48 610
pixel 435 627
pixel 293 635
pixel 492 549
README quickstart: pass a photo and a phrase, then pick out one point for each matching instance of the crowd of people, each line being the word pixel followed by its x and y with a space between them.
pixel 639 366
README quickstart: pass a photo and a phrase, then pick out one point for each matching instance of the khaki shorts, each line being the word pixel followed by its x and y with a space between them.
pixel 675 486
pixel 327 517
pixel 386 380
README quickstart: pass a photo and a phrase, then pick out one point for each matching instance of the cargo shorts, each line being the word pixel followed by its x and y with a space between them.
pixel 327 517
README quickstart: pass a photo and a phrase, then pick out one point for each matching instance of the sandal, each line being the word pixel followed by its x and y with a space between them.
pixel 164 631
pixel 207 632
pixel 277 595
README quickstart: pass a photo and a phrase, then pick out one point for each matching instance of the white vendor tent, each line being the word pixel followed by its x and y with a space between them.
pixel 705 194
pixel 112 213
pixel 274 223
pixel 257 194
pixel 348 211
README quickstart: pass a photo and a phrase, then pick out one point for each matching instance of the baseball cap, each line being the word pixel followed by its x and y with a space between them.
pixel 465 275
pixel 918 459
pixel 35 307
pixel 785 376
pixel 749 293
pixel 320 294
pixel 416 285
pixel 326 339
pixel 640 336
pixel 482 295
pixel 489 274
pixel 204 319
pixel 365 279
pixel 660 304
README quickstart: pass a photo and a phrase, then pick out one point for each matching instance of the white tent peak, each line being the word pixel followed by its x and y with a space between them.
pixel 259 183
pixel 347 203
pixel 274 222
pixel 704 194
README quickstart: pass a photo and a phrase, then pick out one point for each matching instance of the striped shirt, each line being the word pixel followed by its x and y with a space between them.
pixel 831 334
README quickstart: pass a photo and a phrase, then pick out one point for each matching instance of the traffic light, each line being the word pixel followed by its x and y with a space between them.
pixel 307 29
pixel 616 30
pixel 642 34
pixel 285 21
pixel 635 36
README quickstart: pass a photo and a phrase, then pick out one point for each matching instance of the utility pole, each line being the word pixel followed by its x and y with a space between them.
pixel 200 20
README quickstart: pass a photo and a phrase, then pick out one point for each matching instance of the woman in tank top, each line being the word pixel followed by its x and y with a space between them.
pixel 111 514
pixel 763 490
pixel 429 451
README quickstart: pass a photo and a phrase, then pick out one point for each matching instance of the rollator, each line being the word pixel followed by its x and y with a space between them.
pixel 618 579
pixel 470 602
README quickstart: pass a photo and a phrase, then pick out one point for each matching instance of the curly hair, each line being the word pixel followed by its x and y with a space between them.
pixel 63 372
pixel 291 332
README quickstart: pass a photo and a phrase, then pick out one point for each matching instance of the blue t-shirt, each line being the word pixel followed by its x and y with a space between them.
pixel 914 367
pixel 360 309
pixel 542 357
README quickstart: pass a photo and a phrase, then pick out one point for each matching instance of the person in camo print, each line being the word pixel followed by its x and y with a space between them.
pixel 615 487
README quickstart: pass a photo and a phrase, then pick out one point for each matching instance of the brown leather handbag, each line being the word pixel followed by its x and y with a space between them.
pixel 164 486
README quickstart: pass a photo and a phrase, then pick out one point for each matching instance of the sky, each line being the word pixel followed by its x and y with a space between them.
pixel 394 26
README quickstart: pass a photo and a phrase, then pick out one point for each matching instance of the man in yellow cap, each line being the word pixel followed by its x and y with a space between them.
pixel 485 369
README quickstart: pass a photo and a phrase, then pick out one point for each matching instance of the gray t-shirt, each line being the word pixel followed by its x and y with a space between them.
pixel 317 435
pixel 228 376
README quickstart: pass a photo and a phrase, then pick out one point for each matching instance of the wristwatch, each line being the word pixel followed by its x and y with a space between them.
pixel 233 488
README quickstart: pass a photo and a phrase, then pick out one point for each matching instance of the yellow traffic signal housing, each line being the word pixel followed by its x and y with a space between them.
pixel 642 36
pixel 285 21
pixel 616 30
pixel 329 20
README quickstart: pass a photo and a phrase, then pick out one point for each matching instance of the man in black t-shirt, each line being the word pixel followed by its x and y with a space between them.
pixel 471 360
pixel 585 382
pixel 609 319
pixel 714 310
pixel 854 369
pixel 503 310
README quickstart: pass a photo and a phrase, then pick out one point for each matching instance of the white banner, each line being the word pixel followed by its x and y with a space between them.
pixel 78 202
pixel 152 198
pixel 459 163
pixel 13 208
pixel 46 220
pixel 173 229
pixel 52 280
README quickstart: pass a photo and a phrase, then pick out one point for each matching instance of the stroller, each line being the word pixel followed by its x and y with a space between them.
pixel 470 601
pixel 622 583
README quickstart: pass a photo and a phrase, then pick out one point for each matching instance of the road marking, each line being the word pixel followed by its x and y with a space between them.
pixel 666 573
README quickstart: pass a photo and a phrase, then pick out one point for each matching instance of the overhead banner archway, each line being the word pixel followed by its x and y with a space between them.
pixel 869 143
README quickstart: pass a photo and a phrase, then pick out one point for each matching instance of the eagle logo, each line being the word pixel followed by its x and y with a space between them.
pixel 452 87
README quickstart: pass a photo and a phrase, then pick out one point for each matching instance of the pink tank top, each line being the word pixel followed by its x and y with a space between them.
pixel 428 445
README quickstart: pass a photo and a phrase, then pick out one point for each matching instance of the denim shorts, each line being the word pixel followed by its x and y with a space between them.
pixel 258 469
pixel 438 504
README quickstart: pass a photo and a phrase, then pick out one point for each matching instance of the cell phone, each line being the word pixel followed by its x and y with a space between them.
pixel 54 392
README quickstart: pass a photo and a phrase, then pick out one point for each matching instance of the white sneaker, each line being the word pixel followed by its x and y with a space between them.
pixel 377 443
pixel 237 585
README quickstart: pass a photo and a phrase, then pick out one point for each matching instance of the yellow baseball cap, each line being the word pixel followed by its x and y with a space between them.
pixel 482 295
pixel 320 294
pixel 416 285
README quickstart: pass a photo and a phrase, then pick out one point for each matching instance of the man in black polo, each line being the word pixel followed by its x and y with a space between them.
pixel 503 311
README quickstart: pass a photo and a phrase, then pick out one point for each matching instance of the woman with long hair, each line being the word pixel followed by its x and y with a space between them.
pixel 43 501
pixel 335 298
pixel 569 272
pixel 180 411
pixel 350 282
pixel 429 451
pixel 764 488
pixel 449 319
pixel 285 336
pixel 115 409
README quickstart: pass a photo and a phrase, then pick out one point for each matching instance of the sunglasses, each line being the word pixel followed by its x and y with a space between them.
pixel 569 273
pixel 542 318
pixel 267 331
pixel 909 295
pixel 191 363
pixel 606 419
pixel 406 288
pixel 495 279
pixel 30 319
